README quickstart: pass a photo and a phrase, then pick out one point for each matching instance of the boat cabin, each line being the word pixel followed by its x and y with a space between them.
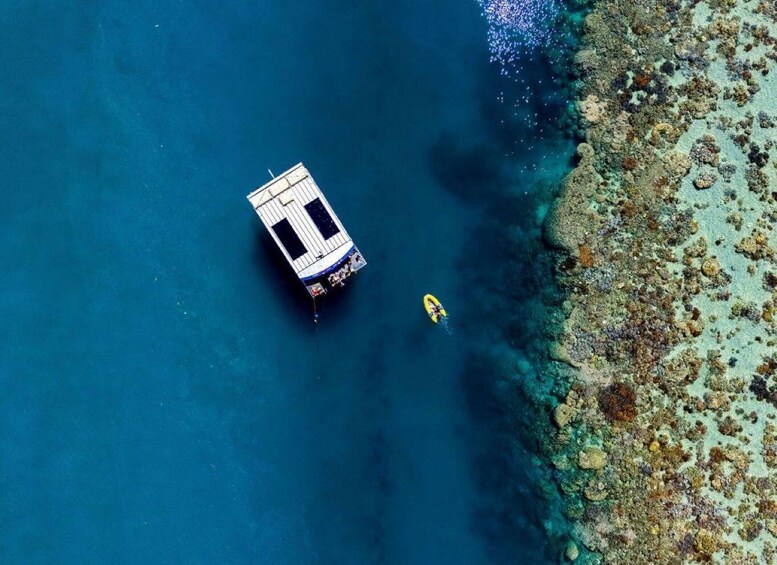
pixel 306 230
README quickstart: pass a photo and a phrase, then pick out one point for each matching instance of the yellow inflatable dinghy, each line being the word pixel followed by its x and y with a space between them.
pixel 434 308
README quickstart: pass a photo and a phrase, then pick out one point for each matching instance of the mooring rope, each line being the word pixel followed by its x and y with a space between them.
pixel 318 345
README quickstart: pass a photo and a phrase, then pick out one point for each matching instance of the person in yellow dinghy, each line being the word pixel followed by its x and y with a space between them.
pixel 434 308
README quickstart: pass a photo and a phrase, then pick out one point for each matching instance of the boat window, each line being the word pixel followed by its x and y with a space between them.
pixel 320 216
pixel 289 238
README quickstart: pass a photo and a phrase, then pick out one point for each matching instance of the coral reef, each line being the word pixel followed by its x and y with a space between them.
pixel 666 433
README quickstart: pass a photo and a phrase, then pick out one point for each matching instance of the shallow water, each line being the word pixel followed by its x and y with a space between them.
pixel 165 397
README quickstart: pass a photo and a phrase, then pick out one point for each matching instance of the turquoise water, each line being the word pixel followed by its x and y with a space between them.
pixel 163 395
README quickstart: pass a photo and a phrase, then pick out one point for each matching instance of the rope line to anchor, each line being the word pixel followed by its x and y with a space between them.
pixel 318 344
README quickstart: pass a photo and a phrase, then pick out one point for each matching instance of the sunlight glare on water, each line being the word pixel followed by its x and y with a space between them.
pixel 530 41
pixel 516 27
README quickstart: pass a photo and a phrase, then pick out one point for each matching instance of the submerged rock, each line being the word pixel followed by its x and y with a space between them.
pixel 592 457
pixel 564 414
pixel 586 60
pixel 595 492
pixel 561 462
pixel 558 352
pixel 755 246
pixel 710 267
pixel 678 164
pixel 592 109
pixel 662 131
pixel 571 552
pixel 565 224
pixel 705 543
pixel 704 180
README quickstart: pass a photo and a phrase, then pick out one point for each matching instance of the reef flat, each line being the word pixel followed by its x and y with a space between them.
pixel 666 443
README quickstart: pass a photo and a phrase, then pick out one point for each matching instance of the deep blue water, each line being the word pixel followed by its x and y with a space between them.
pixel 163 395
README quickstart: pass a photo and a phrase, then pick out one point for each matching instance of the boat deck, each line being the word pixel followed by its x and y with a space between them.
pixel 306 229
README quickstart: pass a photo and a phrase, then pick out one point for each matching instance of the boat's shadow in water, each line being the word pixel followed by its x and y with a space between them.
pixel 278 278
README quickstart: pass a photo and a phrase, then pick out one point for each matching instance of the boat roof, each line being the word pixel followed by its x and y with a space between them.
pixel 301 222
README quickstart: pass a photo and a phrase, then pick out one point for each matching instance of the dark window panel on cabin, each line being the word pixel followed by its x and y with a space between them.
pixel 289 238
pixel 320 216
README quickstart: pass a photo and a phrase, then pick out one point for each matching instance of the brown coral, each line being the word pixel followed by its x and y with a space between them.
pixel 641 81
pixel 618 402
pixel 586 257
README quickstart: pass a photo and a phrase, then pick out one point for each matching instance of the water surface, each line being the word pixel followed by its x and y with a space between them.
pixel 164 396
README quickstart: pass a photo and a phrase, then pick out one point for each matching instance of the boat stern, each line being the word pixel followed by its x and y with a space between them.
pixel 336 275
